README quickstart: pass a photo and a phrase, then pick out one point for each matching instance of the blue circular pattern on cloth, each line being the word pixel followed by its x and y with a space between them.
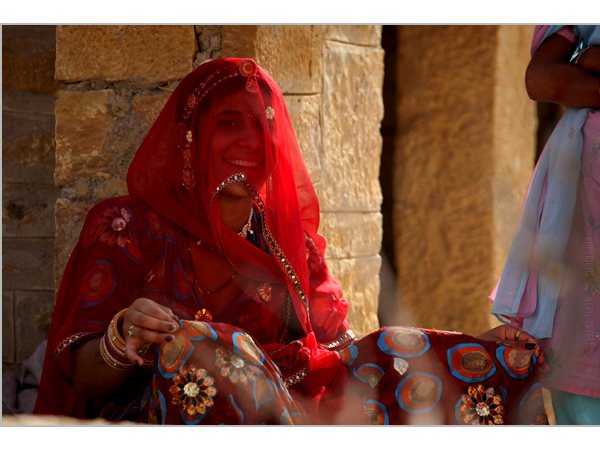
pixel 462 376
pixel 239 339
pixel 386 344
pixel 369 373
pixel 533 387
pixel 380 409
pixel 175 371
pixel 500 356
pixel 350 352
pixel 401 389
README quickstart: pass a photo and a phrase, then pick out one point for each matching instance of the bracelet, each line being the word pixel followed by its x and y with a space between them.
pixel 112 345
pixel 109 357
pixel 576 60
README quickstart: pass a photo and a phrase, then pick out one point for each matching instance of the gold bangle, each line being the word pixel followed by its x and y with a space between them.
pixel 109 359
pixel 113 330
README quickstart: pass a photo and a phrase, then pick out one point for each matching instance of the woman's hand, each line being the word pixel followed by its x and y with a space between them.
pixel 509 334
pixel 147 322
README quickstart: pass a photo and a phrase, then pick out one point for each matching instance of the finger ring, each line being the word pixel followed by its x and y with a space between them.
pixel 130 331
pixel 517 334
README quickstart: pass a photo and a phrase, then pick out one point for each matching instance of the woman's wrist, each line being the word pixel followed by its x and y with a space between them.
pixel 589 59
pixel 112 344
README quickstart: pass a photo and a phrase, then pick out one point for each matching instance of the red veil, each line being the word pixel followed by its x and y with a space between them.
pixel 158 171
pixel 174 174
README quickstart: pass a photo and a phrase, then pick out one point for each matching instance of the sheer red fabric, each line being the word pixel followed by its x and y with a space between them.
pixel 226 93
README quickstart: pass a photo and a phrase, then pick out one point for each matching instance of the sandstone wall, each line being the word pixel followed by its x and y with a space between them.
pixel 331 77
pixel 28 192
pixel 464 153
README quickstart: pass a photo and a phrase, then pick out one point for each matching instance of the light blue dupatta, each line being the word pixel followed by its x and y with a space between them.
pixel 535 262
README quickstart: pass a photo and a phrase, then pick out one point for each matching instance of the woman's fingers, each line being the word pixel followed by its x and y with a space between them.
pixel 151 308
pixel 146 322
pixel 143 320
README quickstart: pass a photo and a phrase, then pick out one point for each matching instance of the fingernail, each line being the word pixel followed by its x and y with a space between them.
pixel 171 327
pixel 169 338
pixel 529 345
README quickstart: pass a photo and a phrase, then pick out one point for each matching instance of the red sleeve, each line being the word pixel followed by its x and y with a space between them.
pixel 328 310
pixel 102 276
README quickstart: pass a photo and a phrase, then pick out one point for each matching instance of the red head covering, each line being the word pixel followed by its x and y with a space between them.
pixel 180 169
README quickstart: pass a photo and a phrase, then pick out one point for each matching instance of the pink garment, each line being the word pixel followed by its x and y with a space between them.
pixel 574 349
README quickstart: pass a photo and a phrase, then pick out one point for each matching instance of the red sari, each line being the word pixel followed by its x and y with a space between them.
pixel 263 332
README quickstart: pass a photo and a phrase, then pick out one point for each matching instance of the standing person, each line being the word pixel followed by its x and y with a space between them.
pixel 203 297
pixel 550 286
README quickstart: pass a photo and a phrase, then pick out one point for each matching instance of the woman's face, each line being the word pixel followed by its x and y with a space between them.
pixel 236 142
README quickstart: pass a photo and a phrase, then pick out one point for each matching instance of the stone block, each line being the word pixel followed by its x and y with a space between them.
pixel 305 114
pixel 209 43
pixel 239 41
pixel 69 217
pixel 352 113
pixel 146 53
pixel 149 105
pixel 33 313
pixel 290 53
pixel 83 124
pixel 27 263
pixel 354 34
pixel 8 328
pixel 28 210
pixel 351 235
pixel 359 278
pixel 28 54
pixel 27 137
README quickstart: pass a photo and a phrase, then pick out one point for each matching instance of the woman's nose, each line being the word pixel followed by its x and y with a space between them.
pixel 250 136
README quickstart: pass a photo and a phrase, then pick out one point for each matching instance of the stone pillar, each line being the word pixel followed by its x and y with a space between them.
pixel 464 154
pixel 28 192
pixel 332 78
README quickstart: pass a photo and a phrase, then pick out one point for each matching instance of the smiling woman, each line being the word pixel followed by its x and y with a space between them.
pixel 204 295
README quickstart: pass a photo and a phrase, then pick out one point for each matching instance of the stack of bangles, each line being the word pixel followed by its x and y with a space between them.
pixel 112 345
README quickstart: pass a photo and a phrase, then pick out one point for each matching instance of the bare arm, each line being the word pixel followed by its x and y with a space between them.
pixel 92 377
pixel 550 77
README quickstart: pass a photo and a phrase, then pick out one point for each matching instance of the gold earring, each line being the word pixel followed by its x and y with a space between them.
pixel 188 178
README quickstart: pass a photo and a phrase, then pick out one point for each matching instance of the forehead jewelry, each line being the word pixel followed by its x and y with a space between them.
pixel 249 69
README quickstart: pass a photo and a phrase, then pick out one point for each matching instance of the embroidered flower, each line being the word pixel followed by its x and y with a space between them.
pixel 481 407
pixel 270 112
pixel 203 315
pixel 234 367
pixel 193 391
pixel 263 292
pixel 111 226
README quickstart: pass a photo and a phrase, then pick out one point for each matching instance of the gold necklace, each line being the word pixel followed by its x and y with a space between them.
pixel 247 228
